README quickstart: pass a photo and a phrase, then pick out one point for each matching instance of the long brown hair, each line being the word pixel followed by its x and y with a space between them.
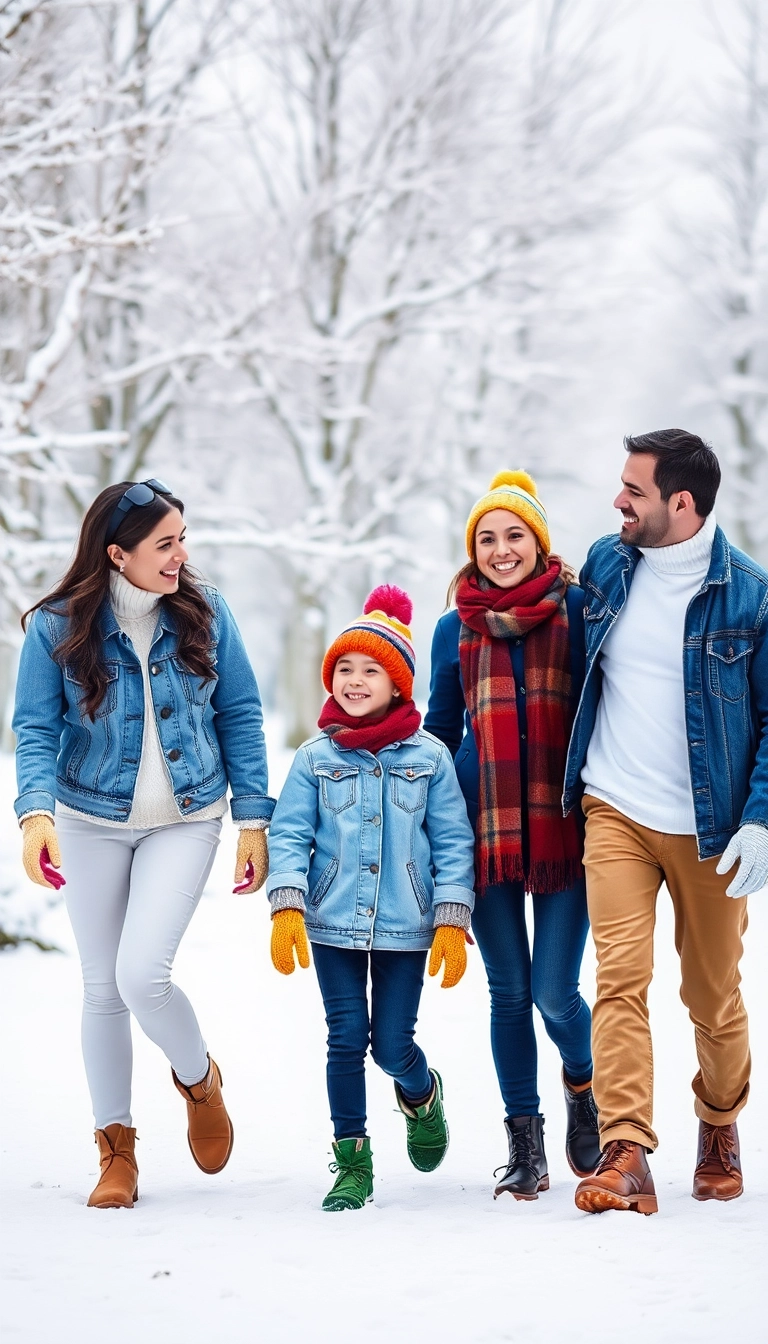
pixel 84 589
pixel 471 571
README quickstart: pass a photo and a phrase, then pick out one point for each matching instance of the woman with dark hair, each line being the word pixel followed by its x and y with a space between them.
pixel 507 671
pixel 136 708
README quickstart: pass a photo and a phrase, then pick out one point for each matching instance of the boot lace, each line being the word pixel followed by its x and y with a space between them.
pixel 520 1144
pixel 347 1173
pixel 718 1144
pixel 617 1155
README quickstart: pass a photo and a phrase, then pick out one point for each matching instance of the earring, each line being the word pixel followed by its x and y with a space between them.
pixel 122 567
pixel 395 693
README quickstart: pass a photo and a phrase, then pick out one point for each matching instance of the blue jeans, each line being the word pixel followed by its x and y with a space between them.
pixel 548 977
pixel 396 983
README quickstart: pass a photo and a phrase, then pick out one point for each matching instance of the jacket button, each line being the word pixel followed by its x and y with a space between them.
pixel 409 774
pixel 522 690
pixel 377 771
pixel 166 712
pixel 730 651
pixel 522 737
pixel 174 755
pixel 337 774
pixel 154 669
pixel 376 821
pixel 369 912
pixel 187 802
pixel 374 868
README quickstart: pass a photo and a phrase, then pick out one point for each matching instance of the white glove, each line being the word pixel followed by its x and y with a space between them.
pixel 750 845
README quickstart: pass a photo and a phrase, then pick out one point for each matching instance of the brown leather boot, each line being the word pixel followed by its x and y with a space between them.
pixel 210 1133
pixel 718 1163
pixel 622 1180
pixel 118 1186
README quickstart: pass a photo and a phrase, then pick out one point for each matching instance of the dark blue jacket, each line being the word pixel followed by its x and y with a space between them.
pixel 725 674
pixel 447 716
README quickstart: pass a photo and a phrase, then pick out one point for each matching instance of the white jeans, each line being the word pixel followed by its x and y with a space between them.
pixel 130 896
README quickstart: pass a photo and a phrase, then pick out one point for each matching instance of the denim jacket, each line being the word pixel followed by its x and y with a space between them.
pixel 372 842
pixel 447 716
pixel 725 675
pixel 210 734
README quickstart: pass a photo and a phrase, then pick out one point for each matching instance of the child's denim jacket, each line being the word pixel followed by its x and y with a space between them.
pixel 373 842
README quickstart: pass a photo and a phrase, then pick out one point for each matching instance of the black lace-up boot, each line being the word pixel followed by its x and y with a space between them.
pixel 582 1144
pixel 526 1172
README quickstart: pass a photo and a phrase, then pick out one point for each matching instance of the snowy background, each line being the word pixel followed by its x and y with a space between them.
pixel 326 266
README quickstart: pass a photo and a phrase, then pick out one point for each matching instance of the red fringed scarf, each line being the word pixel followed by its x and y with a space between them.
pixel 490 616
pixel 362 735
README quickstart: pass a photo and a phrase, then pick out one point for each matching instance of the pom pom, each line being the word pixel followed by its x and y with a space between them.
pixel 392 601
pixel 519 478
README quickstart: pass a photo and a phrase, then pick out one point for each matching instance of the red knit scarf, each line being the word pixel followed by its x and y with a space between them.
pixel 362 735
pixel 490 616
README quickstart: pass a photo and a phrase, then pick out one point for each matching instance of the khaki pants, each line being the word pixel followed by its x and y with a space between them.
pixel 626 864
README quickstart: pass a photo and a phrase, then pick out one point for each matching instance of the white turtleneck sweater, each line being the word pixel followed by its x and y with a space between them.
pixel 637 759
pixel 154 803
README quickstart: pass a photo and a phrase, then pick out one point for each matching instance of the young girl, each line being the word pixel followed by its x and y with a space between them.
pixel 136 706
pixel 507 671
pixel 372 851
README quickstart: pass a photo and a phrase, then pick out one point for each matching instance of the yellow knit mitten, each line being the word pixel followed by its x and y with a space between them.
pixel 288 931
pixel 449 946
pixel 39 833
pixel 252 848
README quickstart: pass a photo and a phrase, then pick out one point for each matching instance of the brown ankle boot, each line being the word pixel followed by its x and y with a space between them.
pixel 622 1180
pixel 118 1184
pixel 210 1132
pixel 718 1163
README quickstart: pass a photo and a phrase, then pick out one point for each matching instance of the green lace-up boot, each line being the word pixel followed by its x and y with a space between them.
pixel 353 1186
pixel 426 1126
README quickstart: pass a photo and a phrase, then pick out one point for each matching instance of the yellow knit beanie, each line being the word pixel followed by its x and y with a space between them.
pixel 515 491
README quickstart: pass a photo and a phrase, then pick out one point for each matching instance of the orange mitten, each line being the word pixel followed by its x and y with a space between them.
pixel 251 848
pixel 288 932
pixel 39 833
pixel 449 946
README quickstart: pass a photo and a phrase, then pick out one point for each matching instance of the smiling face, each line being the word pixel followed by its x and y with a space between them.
pixel 648 520
pixel 506 548
pixel 362 686
pixel 155 563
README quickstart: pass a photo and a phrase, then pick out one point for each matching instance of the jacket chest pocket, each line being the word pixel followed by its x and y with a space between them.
pixel 408 785
pixel 109 702
pixel 728 662
pixel 196 691
pixel 339 785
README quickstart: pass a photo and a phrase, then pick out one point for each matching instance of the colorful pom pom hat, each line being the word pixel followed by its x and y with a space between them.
pixel 382 632
pixel 515 491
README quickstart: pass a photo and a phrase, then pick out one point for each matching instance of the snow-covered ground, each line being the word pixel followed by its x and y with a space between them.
pixel 249 1256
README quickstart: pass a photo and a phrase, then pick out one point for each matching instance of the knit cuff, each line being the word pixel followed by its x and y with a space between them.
pixel 453 913
pixel 255 824
pixel 286 898
pixel 37 812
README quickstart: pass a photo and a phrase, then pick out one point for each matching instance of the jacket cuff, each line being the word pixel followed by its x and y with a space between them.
pixel 453 913
pixel 454 895
pixel 252 807
pixel 295 880
pixel 36 812
pixel 286 898
pixel 36 800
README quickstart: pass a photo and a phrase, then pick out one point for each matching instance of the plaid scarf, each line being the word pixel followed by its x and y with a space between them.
pixel 490 617
pixel 362 735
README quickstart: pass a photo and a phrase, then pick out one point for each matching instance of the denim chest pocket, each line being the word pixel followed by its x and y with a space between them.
pixel 196 691
pixel 728 658
pixel 595 605
pixel 109 702
pixel 408 785
pixel 338 784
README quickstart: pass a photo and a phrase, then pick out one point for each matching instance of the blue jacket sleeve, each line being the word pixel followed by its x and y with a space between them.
pixel 293 828
pixel 450 837
pixel 756 807
pixel 237 704
pixel 38 720
pixel 445 713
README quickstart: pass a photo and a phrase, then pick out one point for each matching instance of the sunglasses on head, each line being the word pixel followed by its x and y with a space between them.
pixel 134 498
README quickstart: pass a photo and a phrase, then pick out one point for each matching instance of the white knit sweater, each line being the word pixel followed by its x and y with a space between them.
pixel 638 755
pixel 154 803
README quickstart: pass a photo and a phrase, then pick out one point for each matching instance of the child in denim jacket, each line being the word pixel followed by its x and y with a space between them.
pixel 371 855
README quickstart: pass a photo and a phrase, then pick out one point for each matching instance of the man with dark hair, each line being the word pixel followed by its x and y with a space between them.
pixel 670 746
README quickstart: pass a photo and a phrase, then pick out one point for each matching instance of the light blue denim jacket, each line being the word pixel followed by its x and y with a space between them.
pixel 373 842
pixel 210 735
pixel 725 675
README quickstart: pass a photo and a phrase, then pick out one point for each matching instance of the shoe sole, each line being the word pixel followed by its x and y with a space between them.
pixel 543 1185
pixel 602 1201
pixel 722 1199
pixel 214 1171
pixel 114 1204
pixel 345 1208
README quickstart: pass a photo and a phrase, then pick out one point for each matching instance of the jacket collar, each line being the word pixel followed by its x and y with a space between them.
pixel 109 626
pixel 719 565
pixel 391 746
